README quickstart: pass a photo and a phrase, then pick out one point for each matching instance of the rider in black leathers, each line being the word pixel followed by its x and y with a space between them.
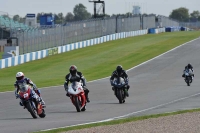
pixel 119 72
pixel 189 66
pixel 75 75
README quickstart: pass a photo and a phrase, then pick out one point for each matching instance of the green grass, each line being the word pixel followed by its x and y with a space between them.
pixel 121 121
pixel 1 53
pixel 96 61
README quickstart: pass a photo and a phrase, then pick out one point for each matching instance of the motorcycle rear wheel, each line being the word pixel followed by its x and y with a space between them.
pixel 42 115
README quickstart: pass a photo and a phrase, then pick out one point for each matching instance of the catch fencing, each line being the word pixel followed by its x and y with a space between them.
pixel 31 39
pixel 48 37
pixel 191 25
pixel 167 22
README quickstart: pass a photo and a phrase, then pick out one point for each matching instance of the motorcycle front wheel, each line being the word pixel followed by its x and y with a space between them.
pixel 31 110
pixel 77 104
pixel 119 96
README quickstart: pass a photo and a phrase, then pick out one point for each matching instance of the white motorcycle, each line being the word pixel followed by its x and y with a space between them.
pixel 77 96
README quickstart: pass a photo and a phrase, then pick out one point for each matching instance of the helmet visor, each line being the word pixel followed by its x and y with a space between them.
pixel 73 72
pixel 20 78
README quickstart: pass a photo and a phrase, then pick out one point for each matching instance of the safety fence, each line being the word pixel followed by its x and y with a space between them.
pixel 35 39
pixel 16 60
pixel 191 25
pixel 167 22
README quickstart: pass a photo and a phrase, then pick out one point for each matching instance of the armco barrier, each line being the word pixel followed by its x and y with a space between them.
pixel 13 61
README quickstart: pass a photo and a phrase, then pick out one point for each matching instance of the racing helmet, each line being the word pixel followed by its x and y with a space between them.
pixel 119 69
pixel 73 70
pixel 20 75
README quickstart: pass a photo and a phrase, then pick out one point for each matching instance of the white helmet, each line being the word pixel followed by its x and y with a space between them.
pixel 19 75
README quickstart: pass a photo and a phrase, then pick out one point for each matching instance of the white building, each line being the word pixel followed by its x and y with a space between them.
pixel 31 20
pixel 136 10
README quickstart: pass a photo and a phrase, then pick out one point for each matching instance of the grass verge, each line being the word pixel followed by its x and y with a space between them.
pixel 121 121
pixel 96 61
pixel 1 53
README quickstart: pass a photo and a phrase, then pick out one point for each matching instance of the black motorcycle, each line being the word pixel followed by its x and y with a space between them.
pixel 120 90
pixel 188 77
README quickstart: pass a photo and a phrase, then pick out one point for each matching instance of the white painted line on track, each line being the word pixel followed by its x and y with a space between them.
pixel 128 69
pixel 130 114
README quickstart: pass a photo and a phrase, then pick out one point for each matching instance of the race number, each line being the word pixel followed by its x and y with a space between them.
pixel 25 95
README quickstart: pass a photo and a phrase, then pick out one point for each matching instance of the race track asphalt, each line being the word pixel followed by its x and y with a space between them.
pixel 156 87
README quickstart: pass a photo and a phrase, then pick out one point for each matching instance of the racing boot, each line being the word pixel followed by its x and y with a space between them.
pixel 67 94
pixel 86 95
pixel 42 102
pixel 126 92
pixel 87 98
pixel 20 103
pixel 40 98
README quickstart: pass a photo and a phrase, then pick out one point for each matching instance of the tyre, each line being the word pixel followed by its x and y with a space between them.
pixel 84 108
pixel 77 104
pixel 31 110
pixel 119 95
pixel 188 81
pixel 42 115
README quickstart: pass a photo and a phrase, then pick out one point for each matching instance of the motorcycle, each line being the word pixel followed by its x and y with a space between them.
pixel 26 95
pixel 188 77
pixel 77 96
pixel 119 85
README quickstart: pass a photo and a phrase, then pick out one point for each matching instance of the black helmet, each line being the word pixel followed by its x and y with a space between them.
pixel 119 69
pixel 73 70
pixel 189 65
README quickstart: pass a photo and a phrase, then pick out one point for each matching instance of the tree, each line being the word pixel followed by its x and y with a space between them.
pixel 60 16
pixel 80 12
pixel 16 17
pixel 180 14
pixel 21 20
pixel 56 17
pixel 38 16
pixel 195 16
pixel 69 17
pixel 128 14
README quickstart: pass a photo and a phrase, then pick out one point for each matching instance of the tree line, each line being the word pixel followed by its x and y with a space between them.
pixel 182 14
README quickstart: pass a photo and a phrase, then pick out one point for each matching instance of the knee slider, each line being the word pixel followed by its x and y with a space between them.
pixel 128 86
pixel 86 91
pixel 39 92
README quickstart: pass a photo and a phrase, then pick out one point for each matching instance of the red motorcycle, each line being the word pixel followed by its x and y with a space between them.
pixel 77 96
pixel 28 98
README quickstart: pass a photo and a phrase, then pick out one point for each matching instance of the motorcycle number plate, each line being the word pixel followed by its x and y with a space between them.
pixel 25 95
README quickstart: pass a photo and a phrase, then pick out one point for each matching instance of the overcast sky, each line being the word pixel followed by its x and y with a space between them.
pixel 159 7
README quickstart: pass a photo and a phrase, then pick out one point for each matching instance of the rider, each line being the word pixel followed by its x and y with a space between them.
pixel 20 76
pixel 75 75
pixel 119 72
pixel 189 66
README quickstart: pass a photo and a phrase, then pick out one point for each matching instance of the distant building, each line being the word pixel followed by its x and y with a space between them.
pixel 30 20
pixel 136 10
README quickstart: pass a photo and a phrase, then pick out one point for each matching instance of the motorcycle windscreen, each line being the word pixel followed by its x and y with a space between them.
pixel 75 85
pixel 119 81
pixel 23 87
